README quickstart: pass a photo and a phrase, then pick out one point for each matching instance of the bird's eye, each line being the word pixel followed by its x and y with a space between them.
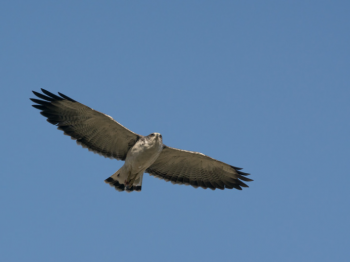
pixel 160 136
pixel 151 134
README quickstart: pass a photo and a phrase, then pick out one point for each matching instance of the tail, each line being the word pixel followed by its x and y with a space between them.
pixel 117 180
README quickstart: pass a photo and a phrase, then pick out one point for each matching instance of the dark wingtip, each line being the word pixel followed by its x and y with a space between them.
pixel 51 95
pixel 245 178
pixel 40 102
pixel 39 107
pixel 236 168
pixel 34 100
pixel 66 97
pixel 240 183
pixel 243 173
pixel 47 98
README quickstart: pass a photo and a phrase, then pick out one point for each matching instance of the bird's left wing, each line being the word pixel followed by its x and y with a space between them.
pixel 197 170
pixel 94 130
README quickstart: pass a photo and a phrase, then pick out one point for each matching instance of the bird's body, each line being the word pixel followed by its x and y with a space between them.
pixel 101 134
pixel 140 157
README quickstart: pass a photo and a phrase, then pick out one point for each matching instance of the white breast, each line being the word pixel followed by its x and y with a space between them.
pixel 143 154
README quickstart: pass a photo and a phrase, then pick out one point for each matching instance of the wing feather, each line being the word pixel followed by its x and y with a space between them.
pixel 196 169
pixel 94 130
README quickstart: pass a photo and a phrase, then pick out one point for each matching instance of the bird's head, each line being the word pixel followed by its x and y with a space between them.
pixel 156 137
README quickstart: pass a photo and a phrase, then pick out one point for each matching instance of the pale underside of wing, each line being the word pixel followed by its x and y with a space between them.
pixel 91 129
pixel 197 170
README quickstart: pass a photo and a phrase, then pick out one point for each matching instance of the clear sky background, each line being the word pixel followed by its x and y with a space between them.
pixel 263 85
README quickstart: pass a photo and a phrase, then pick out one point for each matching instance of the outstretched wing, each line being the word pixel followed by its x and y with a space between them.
pixel 197 170
pixel 94 130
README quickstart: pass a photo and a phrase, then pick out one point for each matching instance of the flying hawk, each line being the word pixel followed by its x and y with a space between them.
pixel 101 134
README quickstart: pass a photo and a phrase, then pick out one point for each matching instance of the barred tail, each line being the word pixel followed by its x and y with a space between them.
pixel 117 180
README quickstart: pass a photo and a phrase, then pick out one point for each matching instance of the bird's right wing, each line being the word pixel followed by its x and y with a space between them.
pixel 94 130
pixel 196 169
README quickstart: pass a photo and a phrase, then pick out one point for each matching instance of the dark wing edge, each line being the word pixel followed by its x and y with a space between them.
pixel 196 169
pixel 91 129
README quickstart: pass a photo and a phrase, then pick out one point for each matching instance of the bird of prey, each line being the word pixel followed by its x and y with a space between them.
pixel 101 134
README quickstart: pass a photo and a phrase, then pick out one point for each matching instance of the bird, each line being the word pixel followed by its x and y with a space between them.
pixel 101 134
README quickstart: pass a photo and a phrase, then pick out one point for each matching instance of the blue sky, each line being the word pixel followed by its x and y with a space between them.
pixel 262 85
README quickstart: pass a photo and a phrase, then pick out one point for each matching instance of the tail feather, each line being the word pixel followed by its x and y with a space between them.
pixel 115 184
pixel 138 183
pixel 117 180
